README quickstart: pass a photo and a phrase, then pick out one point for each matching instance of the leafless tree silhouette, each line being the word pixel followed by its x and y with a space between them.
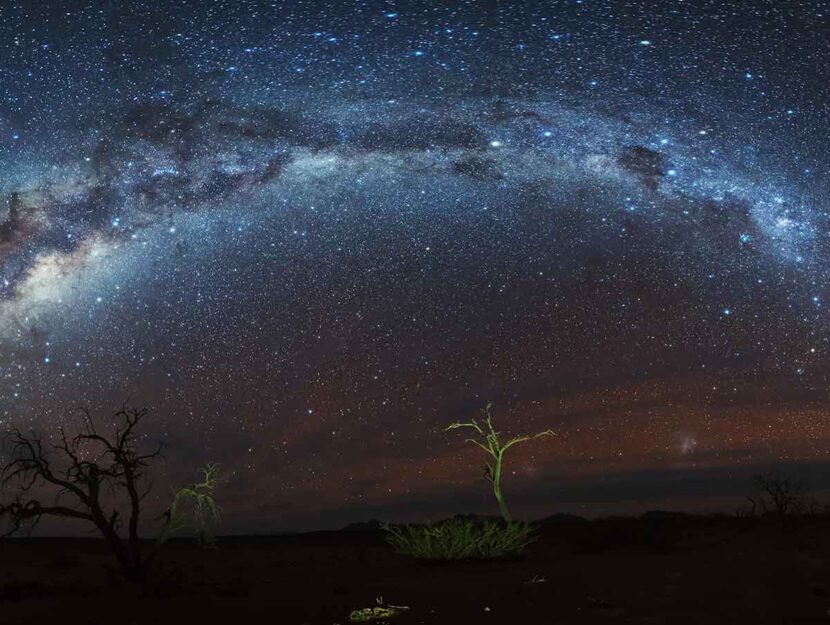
pixel 94 467
pixel 781 494
pixel 750 512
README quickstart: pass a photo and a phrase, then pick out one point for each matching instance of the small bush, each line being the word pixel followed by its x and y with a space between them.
pixel 461 540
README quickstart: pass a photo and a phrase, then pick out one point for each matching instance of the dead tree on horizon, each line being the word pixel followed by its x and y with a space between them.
pixel 94 464
pixel 782 495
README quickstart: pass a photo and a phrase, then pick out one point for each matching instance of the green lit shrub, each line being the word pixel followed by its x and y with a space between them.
pixel 461 539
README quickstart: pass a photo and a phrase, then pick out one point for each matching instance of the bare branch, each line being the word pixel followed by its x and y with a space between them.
pixel 488 440
pixel 88 464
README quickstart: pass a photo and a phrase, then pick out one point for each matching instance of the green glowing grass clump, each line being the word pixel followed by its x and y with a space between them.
pixel 461 540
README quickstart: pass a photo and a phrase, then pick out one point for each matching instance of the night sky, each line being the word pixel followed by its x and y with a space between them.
pixel 308 235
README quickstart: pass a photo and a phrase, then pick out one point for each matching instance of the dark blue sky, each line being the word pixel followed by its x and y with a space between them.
pixel 309 235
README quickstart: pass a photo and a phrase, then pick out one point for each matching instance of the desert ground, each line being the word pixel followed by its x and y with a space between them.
pixel 648 570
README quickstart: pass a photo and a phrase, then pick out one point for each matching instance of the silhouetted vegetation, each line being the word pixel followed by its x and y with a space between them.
pixel 781 495
pixel 94 472
pixel 635 568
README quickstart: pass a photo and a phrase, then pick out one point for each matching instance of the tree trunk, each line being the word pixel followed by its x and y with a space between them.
pixel 497 490
pixel 130 563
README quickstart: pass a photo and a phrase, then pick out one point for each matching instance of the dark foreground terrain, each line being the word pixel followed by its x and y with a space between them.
pixel 653 570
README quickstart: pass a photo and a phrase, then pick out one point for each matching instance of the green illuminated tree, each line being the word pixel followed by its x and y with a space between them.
pixel 489 440
pixel 193 509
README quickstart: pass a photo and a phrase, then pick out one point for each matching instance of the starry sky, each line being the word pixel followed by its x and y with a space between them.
pixel 308 235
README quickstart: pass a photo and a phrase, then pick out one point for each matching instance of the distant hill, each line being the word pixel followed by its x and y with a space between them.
pixel 660 515
pixel 561 518
pixel 372 525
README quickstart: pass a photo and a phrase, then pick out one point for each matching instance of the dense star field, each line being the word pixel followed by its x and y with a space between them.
pixel 309 235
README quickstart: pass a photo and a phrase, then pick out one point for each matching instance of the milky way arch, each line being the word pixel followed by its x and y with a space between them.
pixel 309 245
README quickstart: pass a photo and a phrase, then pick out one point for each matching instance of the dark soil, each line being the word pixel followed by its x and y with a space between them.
pixel 673 571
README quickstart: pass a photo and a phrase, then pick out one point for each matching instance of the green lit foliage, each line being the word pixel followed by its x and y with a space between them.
pixel 193 509
pixel 379 612
pixel 461 539
pixel 489 440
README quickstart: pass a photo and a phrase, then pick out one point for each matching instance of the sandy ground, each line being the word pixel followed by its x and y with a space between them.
pixel 615 571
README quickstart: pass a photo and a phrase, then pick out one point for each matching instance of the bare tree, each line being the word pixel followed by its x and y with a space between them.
pixel 201 513
pixel 748 513
pixel 488 438
pixel 781 494
pixel 96 473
